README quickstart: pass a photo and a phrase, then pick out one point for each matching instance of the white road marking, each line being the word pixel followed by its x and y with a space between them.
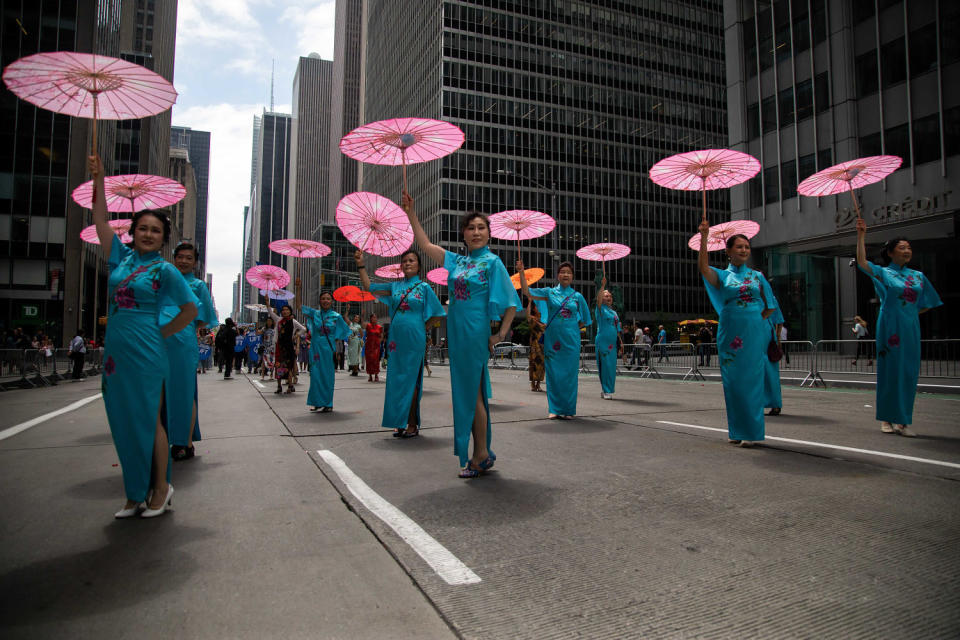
pixel 447 565
pixel 257 382
pixel 23 426
pixel 838 447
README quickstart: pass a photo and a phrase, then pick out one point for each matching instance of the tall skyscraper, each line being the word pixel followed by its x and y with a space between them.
pixel 565 105
pixel 183 214
pixel 309 158
pixel 197 144
pixel 816 83
pixel 345 103
pixel 48 280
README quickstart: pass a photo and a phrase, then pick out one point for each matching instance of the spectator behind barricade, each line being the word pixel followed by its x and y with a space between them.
pixel 78 351
pixel 783 338
pixel 662 344
pixel 646 339
pixel 863 341
pixel 704 338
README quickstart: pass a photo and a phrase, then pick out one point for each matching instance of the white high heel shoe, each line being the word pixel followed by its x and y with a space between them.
pixel 153 513
pixel 129 513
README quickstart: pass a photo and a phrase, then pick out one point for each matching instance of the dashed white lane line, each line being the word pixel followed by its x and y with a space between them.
pixel 444 563
pixel 259 384
pixel 23 426
pixel 883 454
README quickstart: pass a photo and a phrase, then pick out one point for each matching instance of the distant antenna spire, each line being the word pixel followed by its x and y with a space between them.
pixel 272 62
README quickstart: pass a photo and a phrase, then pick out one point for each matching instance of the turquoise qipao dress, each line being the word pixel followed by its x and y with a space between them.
pixel 772 395
pixel 480 293
pixel 326 327
pixel 135 364
pixel 608 332
pixel 183 356
pixel 564 309
pixel 412 302
pixel 903 292
pixel 742 339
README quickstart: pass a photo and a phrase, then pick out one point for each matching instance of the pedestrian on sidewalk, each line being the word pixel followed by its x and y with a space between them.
pixel 354 345
pixel 227 337
pixel 737 295
pixel 863 337
pixel 78 352
pixel 535 366
pixel 325 326
pixel 607 341
pixel 285 362
pixel 239 349
pixel 268 344
pixel 481 293
pixel 135 360
pixel 904 294
pixel 371 348
pixel 567 312
pixel 412 305
pixel 183 358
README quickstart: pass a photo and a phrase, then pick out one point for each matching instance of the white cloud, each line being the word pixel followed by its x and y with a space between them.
pixel 314 24
pixel 224 27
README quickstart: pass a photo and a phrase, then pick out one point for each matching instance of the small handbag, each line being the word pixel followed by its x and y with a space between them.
pixel 774 352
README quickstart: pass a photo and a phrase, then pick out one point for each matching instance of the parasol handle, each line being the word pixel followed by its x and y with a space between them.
pixel 93 149
pixel 703 190
pixel 853 196
pixel 403 158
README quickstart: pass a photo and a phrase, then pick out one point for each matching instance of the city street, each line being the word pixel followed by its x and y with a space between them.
pixel 635 520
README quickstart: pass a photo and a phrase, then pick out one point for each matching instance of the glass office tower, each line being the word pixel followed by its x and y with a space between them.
pixel 565 106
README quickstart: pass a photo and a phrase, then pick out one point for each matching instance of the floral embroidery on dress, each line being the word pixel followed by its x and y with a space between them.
pixel 556 346
pixel 404 306
pixel 744 296
pixel 392 346
pixel 564 312
pixel 124 298
pixel 110 366
pixel 893 340
pixel 736 343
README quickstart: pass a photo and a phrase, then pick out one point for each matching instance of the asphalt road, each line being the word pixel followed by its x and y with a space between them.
pixel 635 520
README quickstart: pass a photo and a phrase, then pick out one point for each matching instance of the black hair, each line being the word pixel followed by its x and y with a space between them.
pixel 732 239
pixel 567 264
pixel 372 314
pixel 325 292
pixel 186 246
pixel 414 253
pixel 468 217
pixel 79 332
pixel 286 306
pixel 159 215
pixel 889 246
pixel 228 322
pixel 269 319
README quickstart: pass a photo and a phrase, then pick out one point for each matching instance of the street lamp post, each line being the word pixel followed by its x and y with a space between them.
pixel 553 204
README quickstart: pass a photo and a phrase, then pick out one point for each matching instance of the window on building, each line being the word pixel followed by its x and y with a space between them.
pixel 765 41
pixel 753 121
pixel 865 68
pixel 804 100
pixel 870 145
pixel 923 50
pixel 768 114
pixel 821 91
pixel 750 47
pixel 893 63
pixel 806 166
pixel 898 143
pixel 785 100
pixel 771 184
pixel 801 29
pixel 862 10
pixel 951 131
pixel 788 179
pixel 756 192
pixel 926 139
pixel 949 33
pixel 819 20
pixel 824 159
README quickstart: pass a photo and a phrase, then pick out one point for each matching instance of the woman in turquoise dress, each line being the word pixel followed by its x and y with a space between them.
pixel 772 395
pixel 412 305
pixel 904 294
pixel 326 326
pixel 737 293
pixel 135 365
pixel 607 341
pixel 566 312
pixel 183 357
pixel 480 293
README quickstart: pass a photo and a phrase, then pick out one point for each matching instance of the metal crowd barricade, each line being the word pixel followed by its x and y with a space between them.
pixel 939 357
pixel 800 356
pixel 638 356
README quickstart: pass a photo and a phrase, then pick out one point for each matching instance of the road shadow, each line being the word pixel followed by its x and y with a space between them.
pixel 426 441
pixel 490 501
pixel 573 426
pixel 779 458
pixel 140 561
pixel 95 439
pixel 796 419
pixel 641 402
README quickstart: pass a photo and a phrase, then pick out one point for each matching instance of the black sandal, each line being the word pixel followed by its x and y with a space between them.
pixel 398 433
pixel 326 409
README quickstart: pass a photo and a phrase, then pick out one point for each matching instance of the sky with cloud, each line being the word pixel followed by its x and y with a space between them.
pixel 222 73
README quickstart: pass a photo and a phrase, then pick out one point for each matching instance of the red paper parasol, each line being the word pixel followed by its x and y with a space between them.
pixel 87 85
pixel 520 224
pixel 532 275
pixel 390 271
pixel 374 224
pixel 300 248
pixel 704 170
pixel 848 176
pixel 719 233
pixel 121 227
pixel 133 192
pixel 267 276
pixel 402 141
pixel 350 293
pixel 438 276
pixel 603 251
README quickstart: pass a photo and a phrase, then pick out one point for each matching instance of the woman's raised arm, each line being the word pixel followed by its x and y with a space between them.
pixel 105 232
pixel 703 258
pixel 364 278
pixel 434 251
pixel 862 247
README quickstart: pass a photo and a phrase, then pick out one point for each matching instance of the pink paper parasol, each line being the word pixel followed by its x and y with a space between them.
pixel 519 224
pixel 438 276
pixel 390 271
pixel 133 192
pixel 719 233
pixel 87 85
pixel 402 141
pixel 374 224
pixel 603 251
pixel 300 248
pixel 267 276
pixel 848 176
pixel 704 170
pixel 121 227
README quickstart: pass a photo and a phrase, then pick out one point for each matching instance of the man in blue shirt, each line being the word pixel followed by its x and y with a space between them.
pixel 662 344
